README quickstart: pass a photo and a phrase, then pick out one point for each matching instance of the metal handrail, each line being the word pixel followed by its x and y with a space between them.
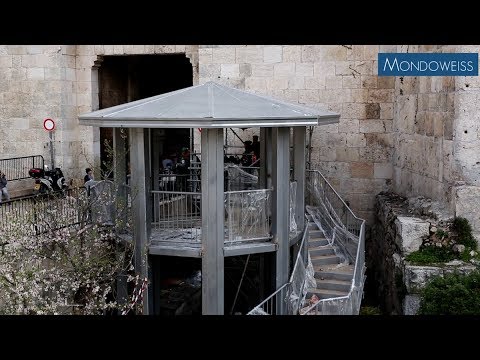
pixel 336 193
pixel 357 272
pixel 357 279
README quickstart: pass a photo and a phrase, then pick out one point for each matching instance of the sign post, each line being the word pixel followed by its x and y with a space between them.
pixel 49 125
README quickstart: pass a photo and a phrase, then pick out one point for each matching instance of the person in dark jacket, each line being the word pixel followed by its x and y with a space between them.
pixel 3 187
pixel 88 176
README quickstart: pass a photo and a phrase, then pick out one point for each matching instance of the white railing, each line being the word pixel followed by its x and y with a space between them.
pixel 344 230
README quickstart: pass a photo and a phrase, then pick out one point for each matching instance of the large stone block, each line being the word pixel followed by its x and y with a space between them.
pixel 262 70
pixel 292 54
pixel 276 83
pixel 205 56
pixel 356 140
pixel 284 69
pixel 229 70
pixel 333 82
pixel 314 83
pixel 348 126
pixel 375 126
pixel 304 69
pixel 249 54
pixel 383 171
pixel 361 170
pixel 467 205
pixel 323 68
pixel 380 95
pixel 386 111
pixel 351 82
pixel 411 304
pixel 296 82
pixel 410 233
pixel 308 96
pixel 346 154
pixel 272 54
pixel 354 111
pixel 416 277
pixel 223 55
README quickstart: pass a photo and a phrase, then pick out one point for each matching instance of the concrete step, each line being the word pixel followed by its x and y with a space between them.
pixel 337 285
pixel 312 226
pixel 325 259
pixel 325 294
pixel 333 275
pixel 317 242
pixel 315 233
pixel 321 250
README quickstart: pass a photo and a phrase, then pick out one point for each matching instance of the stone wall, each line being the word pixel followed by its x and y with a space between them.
pixel 424 116
pixel 59 82
pixel 437 138
pixel 355 154
pixel 413 135
pixel 38 82
pixel 466 194
pixel 401 227
pixel 384 253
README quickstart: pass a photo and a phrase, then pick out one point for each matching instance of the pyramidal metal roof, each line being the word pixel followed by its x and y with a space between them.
pixel 210 105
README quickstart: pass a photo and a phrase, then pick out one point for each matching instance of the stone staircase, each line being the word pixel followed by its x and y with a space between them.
pixel 333 278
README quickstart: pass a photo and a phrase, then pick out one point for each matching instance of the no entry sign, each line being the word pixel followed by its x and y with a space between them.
pixel 49 124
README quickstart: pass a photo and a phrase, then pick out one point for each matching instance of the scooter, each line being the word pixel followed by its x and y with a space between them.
pixel 48 181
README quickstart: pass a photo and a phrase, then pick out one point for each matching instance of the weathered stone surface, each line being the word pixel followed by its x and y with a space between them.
pixel 416 277
pixel 410 232
pixel 411 304
pixel 361 170
pixel 467 205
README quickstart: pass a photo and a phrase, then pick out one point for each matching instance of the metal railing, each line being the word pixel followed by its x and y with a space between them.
pixel 17 168
pixel 291 294
pixel 343 229
pixel 269 305
pixel 37 214
pixel 177 214
pixel 247 215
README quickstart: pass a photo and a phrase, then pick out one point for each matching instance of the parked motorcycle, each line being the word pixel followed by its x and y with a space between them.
pixel 48 181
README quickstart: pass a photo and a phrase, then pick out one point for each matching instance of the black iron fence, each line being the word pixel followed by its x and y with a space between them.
pixel 17 168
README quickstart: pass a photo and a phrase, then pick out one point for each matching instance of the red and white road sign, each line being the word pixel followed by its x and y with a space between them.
pixel 49 124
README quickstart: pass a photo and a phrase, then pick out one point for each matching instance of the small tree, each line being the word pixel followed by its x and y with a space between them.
pixel 63 254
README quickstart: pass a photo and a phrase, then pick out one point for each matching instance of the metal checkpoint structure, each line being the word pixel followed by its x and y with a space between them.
pixel 205 218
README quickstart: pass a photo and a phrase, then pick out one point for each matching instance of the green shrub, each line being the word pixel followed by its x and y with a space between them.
pixel 464 230
pixel 370 310
pixel 441 234
pixel 431 255
pixel 454 294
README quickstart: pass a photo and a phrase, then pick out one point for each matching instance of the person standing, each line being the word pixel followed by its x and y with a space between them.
pixel 88 176
pixel 3 187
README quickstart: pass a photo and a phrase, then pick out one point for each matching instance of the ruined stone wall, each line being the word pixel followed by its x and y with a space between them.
pixel 403 226
pixel 355 154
